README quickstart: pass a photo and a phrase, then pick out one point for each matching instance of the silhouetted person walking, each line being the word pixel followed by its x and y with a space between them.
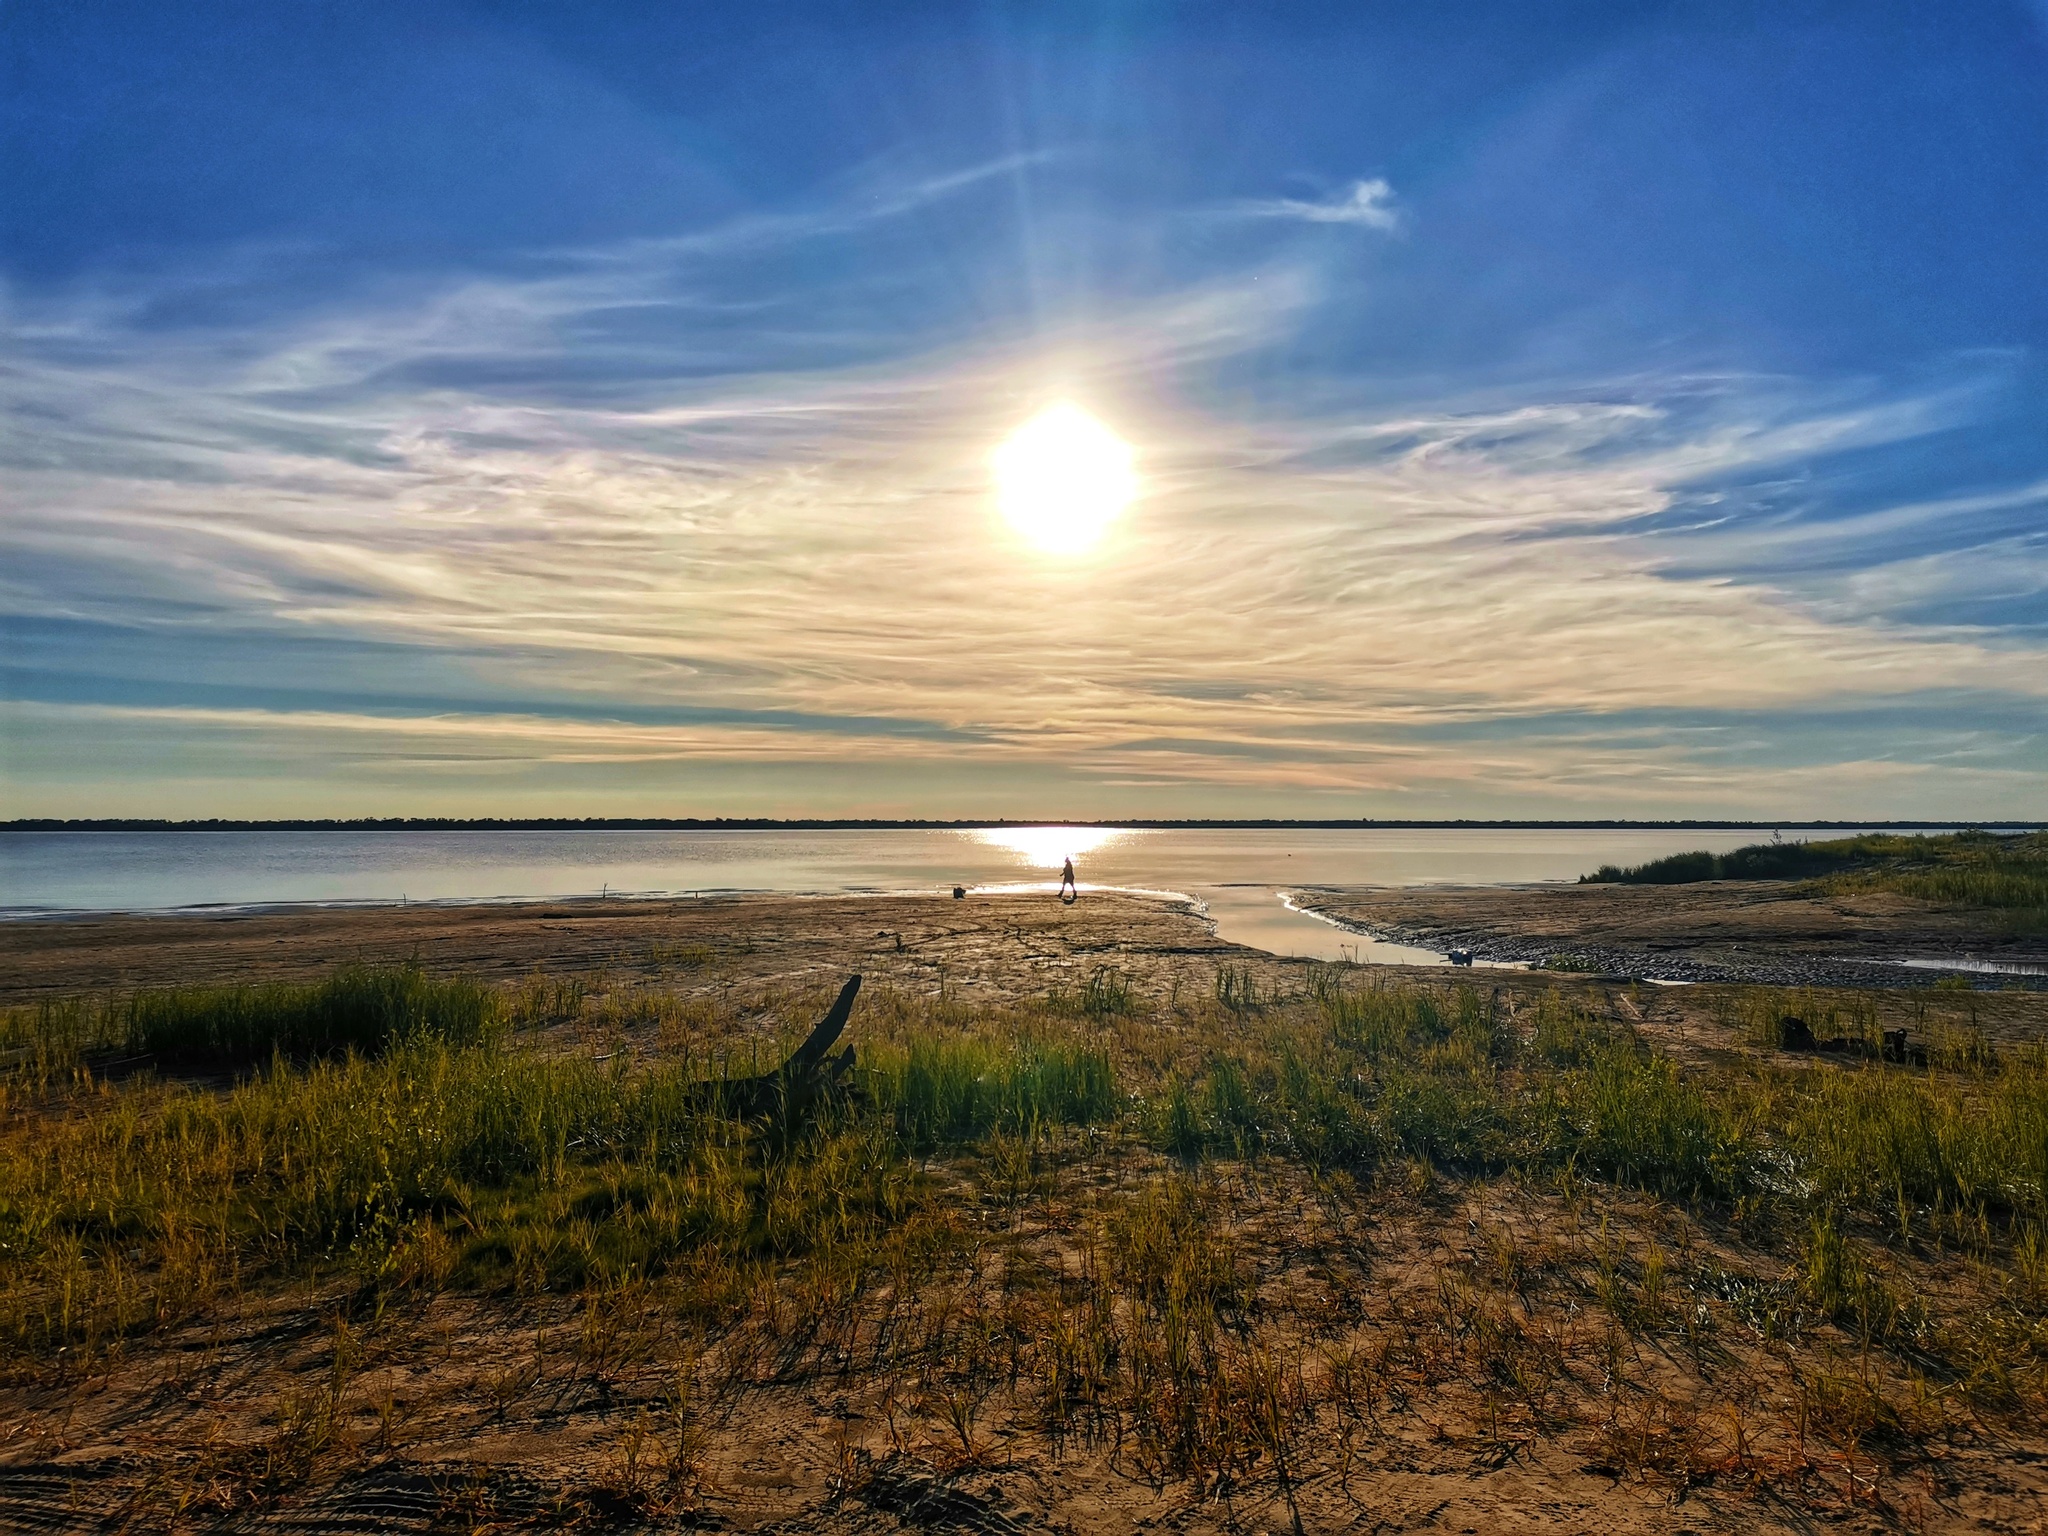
pixel 1069 891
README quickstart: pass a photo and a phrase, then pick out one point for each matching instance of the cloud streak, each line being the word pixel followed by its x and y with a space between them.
pixel 1369 204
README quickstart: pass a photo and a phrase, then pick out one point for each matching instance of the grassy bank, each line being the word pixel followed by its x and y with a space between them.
pixel 2007 873
pixel 1232 1232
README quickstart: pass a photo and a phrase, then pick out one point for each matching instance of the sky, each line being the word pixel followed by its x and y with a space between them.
pixel 1553 410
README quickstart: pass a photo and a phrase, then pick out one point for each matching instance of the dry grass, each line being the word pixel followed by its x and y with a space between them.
pixel 1244 1240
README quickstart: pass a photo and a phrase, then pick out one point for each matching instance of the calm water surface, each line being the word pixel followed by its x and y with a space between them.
pixel 1242 877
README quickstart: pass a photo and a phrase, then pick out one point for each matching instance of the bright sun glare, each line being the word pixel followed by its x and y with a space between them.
pixel 1062 478
pixel 1048 847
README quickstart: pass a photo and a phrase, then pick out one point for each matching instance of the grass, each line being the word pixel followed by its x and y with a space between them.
pixel 2006 873
pixel 1756 861
pixel 1108 1223
pixel 940 1090
pixel 359 1009
pixel 486 1166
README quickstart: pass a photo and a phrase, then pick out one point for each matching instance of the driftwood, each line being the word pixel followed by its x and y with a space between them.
pixel 791 1094
pixel 1795 1034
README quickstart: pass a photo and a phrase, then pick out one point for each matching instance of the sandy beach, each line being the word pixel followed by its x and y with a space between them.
pixel 312 1399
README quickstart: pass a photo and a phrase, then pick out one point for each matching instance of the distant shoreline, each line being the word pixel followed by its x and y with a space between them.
pixel 874 824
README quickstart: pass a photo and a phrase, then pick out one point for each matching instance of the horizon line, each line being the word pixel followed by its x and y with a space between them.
pixel 889 824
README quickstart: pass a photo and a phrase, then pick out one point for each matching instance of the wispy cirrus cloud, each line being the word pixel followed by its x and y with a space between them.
pixel 1368 203
pixel 650 478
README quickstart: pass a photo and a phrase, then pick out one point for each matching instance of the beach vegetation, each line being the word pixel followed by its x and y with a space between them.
pixel 1227 1234
pixel 360 1009
pixel 2005 872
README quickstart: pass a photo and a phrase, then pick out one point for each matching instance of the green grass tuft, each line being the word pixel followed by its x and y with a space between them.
pixel 941 1089
pixel 364 1009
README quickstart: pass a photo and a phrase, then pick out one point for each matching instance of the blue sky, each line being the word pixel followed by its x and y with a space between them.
pixel 1543 410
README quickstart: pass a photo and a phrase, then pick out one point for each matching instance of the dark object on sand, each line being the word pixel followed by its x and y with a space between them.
pixel 1461 957
pixel 790 1094
pixel 1794 1034
pixel 959 893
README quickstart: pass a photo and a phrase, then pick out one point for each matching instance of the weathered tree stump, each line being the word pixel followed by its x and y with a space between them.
pixel 789 1096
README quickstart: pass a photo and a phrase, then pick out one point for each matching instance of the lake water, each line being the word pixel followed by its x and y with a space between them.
pixel 1978 967
pixel 1241 876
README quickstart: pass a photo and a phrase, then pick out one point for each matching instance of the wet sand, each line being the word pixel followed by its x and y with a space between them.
pixel 1734 932
pixel 1760 931
pixel 982 940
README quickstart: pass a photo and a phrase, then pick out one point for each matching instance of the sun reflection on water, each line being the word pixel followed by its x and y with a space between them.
pixel 1049 847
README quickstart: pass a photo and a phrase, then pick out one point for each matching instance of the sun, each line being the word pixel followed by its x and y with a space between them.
pixel 1062 478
